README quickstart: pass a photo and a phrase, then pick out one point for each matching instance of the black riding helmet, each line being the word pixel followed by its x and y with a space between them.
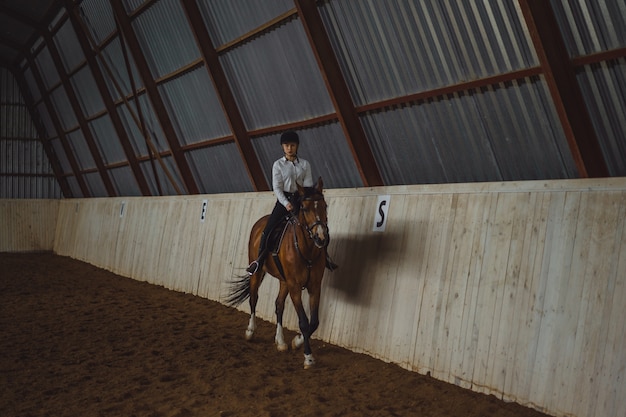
pixel 289 137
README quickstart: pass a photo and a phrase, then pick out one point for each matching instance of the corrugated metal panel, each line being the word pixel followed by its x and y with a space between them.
pixel 227 20
pixel 23 157
pixel 133 131
pixel 95 185
pixel 389 48
pixel 81 150
pixel 113 58
pixel 276 80
pixel 46 68
pixel 166 185
pixel 151 123
pixel 86 90
pixel 165 37
pixel 194 108
pixel 604 88
pixel 125 182
pixel 74 187
pixel 32 84
pixel 16 121
pixel 131 5
pixel 25 171
pixel 68 46
pixel 106 138
pixel 31 187
pixel 98 17
pixel 506 132
pixel 60 154
pixel 63 108
pixel 42 110
pixel 591 26
pixel 209 166
pixel 325 147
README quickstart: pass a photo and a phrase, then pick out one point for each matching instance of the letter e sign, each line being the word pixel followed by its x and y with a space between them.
pixel 380 217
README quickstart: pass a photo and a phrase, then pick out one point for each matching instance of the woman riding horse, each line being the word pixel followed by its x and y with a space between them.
pixel 287 173
pixel 301 256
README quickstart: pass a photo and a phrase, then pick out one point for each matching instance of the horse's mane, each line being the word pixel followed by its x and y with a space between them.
pixel 311 192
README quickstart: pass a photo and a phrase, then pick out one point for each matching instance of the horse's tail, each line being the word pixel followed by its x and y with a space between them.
pixel 239 291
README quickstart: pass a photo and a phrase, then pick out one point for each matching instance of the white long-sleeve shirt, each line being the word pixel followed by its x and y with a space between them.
pixel 286 175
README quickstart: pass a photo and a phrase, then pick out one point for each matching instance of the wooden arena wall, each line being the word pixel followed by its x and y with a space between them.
pixel 27 225
pixel 512 289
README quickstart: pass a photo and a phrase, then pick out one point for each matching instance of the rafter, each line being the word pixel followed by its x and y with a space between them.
pixel 83 36
pixel 566 94
pixel 155 97
pixel 339 92
pixel 225 96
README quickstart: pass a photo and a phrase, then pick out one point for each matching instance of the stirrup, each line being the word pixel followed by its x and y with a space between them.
pixel 252 268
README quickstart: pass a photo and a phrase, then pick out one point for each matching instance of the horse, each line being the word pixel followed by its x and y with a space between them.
pixel 298 263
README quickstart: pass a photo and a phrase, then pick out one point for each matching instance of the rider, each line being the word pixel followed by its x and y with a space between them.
pixel 287 173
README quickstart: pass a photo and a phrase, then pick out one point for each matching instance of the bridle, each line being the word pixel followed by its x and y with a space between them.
pixel 317 223
pixel 309 229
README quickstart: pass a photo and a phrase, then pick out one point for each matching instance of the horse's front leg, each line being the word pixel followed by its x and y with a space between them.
pixel 280 307
pixel 305 329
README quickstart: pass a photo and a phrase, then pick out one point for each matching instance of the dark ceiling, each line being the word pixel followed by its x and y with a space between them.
pixel 22 22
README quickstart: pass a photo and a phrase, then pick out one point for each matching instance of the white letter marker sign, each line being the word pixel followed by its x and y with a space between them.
pixel 380 217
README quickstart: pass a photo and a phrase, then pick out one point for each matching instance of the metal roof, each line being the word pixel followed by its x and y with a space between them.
pixel 161 97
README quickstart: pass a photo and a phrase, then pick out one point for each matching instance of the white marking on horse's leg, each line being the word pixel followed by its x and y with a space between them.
pixel 297 342
pixel 308 361
pixel 251 328
pixel 280 339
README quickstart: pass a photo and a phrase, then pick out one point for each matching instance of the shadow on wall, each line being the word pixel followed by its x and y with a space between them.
pixel 375 256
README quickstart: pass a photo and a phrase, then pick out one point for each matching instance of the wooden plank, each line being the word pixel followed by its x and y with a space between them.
pixel 597 301
pixel 408 294
pixel 432 272
pixel 506 318
pixel 457 272
pixel 486 300
pixel 27 225
pixel 564 215
pixel 611 400
pixel 470 261
pixel 527 326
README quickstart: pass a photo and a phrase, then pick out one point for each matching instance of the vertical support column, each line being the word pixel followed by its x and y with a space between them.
pixel 339 92
pixel 225 95
pixel 155 97
pixel 564 88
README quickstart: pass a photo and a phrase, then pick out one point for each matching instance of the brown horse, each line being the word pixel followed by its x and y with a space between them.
pixel 299 263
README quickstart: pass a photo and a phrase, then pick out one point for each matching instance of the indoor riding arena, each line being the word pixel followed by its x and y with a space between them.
pixel 463 163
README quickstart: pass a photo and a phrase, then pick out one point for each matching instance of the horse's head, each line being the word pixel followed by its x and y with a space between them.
pixel 313 213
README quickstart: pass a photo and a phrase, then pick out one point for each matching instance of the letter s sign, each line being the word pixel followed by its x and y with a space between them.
pixel 380 218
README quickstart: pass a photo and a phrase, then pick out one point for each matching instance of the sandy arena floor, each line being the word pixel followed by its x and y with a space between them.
pixel 80 341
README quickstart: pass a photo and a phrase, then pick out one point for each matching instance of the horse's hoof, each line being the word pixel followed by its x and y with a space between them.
pixel 297 342
pixel 282 347
pixel 249 335
pixel 308 361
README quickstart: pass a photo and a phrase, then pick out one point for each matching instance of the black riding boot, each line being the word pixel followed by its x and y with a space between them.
pixel 260 260
pixel 330 264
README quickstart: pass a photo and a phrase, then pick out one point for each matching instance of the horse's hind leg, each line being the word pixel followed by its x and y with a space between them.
pixel 280 307
pixel 255 283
